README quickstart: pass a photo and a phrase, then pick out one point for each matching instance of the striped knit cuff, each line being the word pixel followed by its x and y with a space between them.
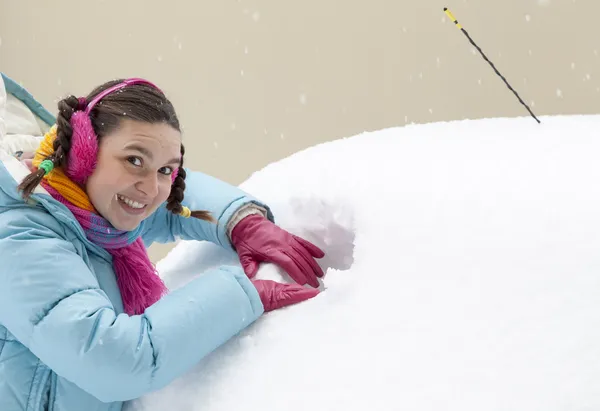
pixel 242 213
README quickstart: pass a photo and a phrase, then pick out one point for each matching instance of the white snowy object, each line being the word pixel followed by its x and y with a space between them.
pixel 20 128
pixel 463 273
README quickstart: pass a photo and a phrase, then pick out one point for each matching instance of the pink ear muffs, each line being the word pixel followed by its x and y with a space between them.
pixel 84 142
pixel 84 148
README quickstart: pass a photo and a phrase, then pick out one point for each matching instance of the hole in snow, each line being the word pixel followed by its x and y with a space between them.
pixel 327 225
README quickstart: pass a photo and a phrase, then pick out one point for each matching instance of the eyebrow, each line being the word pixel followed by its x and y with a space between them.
pixel 144 151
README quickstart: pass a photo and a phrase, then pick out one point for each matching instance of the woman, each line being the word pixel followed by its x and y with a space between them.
pixel 85 322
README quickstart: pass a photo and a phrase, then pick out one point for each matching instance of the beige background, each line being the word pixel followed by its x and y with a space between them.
pixel 256 80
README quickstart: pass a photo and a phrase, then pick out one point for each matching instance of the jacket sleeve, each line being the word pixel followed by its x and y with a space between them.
pixel 202 192
pixel 53 305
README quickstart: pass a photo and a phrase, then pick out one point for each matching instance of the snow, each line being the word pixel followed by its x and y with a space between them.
pixel 462 274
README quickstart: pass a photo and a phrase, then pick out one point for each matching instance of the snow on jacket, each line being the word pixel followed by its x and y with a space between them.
pixel 65 344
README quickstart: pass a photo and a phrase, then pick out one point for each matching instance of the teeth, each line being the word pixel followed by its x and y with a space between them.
pixel 131 203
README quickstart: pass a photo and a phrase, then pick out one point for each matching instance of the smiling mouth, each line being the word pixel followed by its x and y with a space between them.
pixel 131 205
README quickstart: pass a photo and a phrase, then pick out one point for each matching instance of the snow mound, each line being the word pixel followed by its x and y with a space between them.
pixel 463 273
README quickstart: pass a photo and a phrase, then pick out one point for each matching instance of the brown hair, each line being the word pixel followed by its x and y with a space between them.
pixel 139 102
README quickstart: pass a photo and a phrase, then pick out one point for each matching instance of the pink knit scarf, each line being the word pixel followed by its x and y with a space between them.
pixel 138 281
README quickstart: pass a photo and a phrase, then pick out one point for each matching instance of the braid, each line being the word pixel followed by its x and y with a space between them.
pixel 176 197
pixel 64 130
pixel 62 144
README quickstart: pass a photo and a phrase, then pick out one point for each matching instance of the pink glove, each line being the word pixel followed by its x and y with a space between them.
pixel 275 295
pixel 256 240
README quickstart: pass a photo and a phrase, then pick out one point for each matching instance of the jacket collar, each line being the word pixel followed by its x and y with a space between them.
pixel 12 172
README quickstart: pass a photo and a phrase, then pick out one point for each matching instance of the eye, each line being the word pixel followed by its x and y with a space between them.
pixel 136 161
pixel 166 170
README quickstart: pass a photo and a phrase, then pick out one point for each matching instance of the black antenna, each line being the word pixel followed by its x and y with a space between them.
pixel 486 59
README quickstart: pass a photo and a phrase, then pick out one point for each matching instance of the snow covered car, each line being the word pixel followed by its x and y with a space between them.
pixel 463 263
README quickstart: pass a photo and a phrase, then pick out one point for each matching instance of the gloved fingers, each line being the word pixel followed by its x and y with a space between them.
pixel 301 267
pixel 312 249
pixel 292 294
pixel 289 265
pixel 275 295
pixel 308 258
pixel 250 265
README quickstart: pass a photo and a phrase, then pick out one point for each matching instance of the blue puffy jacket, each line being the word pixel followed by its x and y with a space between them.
pixel 65 344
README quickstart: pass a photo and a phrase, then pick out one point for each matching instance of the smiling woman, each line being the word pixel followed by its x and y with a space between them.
pixel 134 117
pixel 89 321
pixel 135 165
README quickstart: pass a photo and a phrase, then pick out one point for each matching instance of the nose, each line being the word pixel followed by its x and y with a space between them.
pixel 148 185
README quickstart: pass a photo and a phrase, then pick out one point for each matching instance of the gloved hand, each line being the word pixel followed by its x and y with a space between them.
pixel 256 240
pixel 275 295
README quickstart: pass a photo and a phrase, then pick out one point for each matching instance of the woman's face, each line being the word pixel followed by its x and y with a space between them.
pixel 132 177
